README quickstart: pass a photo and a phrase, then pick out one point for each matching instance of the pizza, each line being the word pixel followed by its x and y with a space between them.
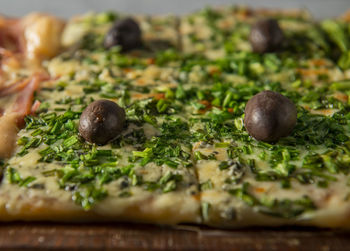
pixel 227 117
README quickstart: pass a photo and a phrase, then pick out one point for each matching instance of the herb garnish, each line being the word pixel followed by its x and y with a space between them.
pixel 203 101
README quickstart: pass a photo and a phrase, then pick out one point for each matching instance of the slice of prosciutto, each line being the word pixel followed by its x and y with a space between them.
pixel 24 44
pixel 13 117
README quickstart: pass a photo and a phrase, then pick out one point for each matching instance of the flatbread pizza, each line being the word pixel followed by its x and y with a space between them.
pixel 228 117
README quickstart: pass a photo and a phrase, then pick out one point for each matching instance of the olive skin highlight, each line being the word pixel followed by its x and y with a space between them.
pixel 101 122
pixel 269 116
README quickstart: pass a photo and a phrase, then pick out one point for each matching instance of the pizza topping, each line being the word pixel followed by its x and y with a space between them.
pixel 284 208
pixel 11 120
pixel 15 178
pixel 24 101
pixel 36 36
pixel 42 34
pixel 126 33
pixel 13 88
pixel 336 33
pixel 24 43
pixel 185 117
pixel 266 36
pixel 269 116
pixel 101 121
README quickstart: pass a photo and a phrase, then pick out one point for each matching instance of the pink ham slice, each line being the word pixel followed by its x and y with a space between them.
pixel 13 118
pixel 13 88
pixel 24 102
pixel 24 43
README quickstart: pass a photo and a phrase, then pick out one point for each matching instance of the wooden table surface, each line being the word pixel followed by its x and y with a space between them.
pixel 43 236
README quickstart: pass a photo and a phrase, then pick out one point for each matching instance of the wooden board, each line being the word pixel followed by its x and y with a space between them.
pixel 43 236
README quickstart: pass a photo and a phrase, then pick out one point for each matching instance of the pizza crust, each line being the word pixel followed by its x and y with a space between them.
pixel 22 204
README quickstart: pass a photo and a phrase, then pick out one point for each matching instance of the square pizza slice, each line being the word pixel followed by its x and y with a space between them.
pixel 217 32
pixel 144 175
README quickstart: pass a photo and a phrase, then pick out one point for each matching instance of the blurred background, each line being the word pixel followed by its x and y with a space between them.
pixel 67 8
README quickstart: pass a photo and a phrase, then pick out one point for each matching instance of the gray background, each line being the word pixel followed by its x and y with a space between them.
pixel 67 8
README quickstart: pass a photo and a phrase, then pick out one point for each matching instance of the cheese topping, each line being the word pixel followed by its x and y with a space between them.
pixel 184 154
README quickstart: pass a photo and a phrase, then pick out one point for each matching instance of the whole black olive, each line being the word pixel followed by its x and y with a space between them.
pixel 101 121
pixel 266 36
pixel 269 116
pixel 126 33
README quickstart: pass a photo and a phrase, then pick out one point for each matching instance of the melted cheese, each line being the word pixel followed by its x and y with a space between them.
pixel 183 205
pixel 145 206
pixel 330 201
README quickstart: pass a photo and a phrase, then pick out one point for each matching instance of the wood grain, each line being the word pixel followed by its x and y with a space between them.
pixel 43 236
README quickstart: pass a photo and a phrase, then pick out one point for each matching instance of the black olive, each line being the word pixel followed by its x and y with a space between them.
pixel 266 36
pixel 126 33
pixel 101 121
pixel 269 116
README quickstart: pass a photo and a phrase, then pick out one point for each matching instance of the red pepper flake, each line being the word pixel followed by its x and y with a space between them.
pixel 207 104
pixel 150 61
pixel 159 96
pixel 127 70
pixel 260 189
